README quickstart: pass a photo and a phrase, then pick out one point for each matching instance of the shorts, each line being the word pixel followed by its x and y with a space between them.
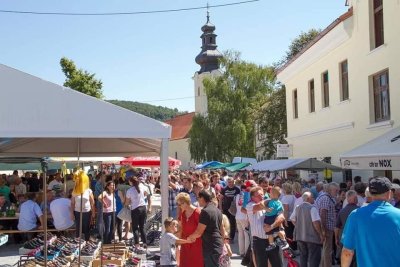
pixel 270 220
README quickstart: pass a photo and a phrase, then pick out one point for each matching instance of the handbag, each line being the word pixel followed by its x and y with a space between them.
pixel 232 209
pixel 125 214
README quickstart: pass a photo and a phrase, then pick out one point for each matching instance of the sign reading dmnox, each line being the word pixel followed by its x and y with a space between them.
pixel 370 163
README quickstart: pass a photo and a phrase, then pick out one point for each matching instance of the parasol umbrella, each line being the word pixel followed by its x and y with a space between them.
pixel 149 162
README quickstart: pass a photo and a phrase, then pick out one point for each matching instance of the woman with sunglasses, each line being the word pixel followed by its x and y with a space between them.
pixel 191 255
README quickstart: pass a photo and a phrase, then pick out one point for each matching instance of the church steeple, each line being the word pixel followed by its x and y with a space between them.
pixel 209 55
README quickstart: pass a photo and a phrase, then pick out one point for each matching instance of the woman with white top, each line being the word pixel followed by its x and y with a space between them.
pixel 136 197
pixel 242 223
pixel 288 201
pixel 107 198
pixel 86 210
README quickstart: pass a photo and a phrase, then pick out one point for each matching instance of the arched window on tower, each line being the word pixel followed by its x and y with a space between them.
pixel 211 40
pixel 198 91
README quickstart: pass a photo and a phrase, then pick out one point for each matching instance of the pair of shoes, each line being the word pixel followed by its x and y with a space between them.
pixel 270 247
pixel 283 244
pixel 140 250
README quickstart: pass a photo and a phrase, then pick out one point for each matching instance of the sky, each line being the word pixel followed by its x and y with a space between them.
pixel 150 57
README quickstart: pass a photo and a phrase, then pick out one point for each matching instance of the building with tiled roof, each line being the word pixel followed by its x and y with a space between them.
pixel 179 142
pixel 181 125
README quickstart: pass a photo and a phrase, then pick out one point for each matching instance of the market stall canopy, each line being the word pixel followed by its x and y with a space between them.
pixel 149 161
pixel 233 167
pixel 208 164
pixel 381 153
pixel 39 118
pixel 296 164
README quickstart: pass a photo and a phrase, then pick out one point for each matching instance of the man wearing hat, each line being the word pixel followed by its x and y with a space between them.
pixel 374 230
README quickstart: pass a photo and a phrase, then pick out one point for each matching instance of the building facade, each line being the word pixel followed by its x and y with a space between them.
pixel 342 90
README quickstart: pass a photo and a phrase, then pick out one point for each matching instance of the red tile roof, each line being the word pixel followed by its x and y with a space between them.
pixel 181 125
pixel 343 17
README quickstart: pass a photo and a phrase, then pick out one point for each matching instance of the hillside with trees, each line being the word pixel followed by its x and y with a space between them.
pixel 156 112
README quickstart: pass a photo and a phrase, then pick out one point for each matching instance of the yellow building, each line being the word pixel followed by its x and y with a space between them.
pixel 343 89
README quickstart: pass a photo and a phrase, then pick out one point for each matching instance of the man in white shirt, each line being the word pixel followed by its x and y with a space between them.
pixel 256 213
pixel 308 232
pixel 19 187
pixel 60 209
pixel 56 181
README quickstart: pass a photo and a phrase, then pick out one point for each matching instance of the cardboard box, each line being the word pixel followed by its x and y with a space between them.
pixel 97 263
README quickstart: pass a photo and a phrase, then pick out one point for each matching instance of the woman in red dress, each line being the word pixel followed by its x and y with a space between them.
pixel 191 255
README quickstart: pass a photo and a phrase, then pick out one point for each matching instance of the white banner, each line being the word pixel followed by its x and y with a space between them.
pixel 284 150
pixel 371 163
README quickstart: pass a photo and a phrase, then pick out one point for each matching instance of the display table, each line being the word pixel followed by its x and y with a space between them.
pixel 16 217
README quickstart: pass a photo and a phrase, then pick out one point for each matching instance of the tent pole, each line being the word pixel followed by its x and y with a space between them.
pixel 80 214
pixel 164 177
pixel 44 168
pixel 113 207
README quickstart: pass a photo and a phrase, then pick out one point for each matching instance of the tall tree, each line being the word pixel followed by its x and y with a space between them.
pixel 80 80
pixel 297 45
pixel 272 121
pixel 233 101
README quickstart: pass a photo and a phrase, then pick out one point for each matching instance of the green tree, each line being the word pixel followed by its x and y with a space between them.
pixel 272 121
pixel 156 112
pixel 234 99
pixel 80 80
pixel 297 45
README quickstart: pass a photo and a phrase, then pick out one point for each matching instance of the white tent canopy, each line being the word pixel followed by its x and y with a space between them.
pixel 297 164
pixel 39 118
pixel 42 119
pixel 381 153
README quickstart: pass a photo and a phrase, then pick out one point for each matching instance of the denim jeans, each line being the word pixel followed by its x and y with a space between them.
pixel 99 218
pixel 172 212
pixel 108 218
pixel 310 254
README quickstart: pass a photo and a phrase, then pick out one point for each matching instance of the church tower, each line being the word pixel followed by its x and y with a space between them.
pixel 209 65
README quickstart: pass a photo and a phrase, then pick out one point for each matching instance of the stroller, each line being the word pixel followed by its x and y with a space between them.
pixel 289 255
pixel 152 229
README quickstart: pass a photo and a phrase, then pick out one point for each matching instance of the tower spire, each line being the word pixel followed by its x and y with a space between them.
pixel 209 55
pixel 208 13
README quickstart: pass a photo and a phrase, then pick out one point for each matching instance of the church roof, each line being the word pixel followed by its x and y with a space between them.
pixel 181 125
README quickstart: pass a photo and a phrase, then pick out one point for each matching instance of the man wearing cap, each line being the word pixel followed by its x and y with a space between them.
pixel 374 230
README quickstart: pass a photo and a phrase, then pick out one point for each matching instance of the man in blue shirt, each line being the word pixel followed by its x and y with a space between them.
pixel 374 230
pixel 29 213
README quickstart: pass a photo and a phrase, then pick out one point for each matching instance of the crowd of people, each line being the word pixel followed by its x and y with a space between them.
pixel 267 213
pixel 325 222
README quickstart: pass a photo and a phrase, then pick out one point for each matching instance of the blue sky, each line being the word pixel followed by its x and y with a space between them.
pixel 150 57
